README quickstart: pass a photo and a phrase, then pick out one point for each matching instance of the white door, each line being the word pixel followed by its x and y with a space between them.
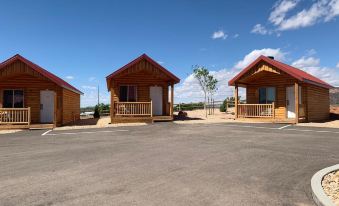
pixel 156 97
pixel 290 102
pixel 47 106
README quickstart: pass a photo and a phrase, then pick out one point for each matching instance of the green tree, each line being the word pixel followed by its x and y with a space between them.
pixel 206 81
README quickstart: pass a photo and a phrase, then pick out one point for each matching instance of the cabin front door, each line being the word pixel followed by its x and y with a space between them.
pixel 290 102
pixel 156 97
pixel 47 106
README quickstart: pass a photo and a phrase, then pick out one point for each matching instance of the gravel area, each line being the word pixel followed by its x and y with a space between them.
pixel 330 184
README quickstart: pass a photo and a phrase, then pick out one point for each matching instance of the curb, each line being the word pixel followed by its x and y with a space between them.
pixel 318 194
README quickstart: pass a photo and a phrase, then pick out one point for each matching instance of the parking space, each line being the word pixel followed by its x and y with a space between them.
pixel 165 164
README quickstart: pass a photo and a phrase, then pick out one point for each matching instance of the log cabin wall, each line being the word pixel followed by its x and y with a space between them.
pixel 70 106
pixel 142 75
pixel 265 76
pixel 318 99
pixel 18 75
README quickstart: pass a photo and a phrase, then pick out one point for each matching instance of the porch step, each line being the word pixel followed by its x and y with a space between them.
pixel 41 126
pixel 162 118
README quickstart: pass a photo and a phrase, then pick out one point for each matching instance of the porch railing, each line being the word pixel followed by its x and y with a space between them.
pixel 256 110
pixel 133 108
pixel 10 116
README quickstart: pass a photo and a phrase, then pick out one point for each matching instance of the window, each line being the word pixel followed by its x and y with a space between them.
pixel 13 99
pixel 266 95
pixel 128 93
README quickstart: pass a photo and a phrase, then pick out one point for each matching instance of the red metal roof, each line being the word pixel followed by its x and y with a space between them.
pixel 40 70
pixel 292 71
pixel 149 59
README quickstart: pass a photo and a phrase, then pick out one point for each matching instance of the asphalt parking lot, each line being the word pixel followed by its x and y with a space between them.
pixel 165 164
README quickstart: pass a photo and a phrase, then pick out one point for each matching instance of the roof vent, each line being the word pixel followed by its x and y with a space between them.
pixel 271 57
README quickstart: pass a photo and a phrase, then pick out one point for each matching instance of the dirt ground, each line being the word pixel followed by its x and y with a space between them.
pixel 102 122
pixel 199 116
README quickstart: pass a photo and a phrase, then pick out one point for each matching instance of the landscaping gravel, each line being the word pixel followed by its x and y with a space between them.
pixel 330 184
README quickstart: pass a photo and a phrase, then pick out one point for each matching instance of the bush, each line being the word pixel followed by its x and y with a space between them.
pixel 223 107
pixel 96 112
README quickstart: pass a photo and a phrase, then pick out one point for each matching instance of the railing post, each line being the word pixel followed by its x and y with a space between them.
pixel 29 116
pixel 273 110
pixel 151 109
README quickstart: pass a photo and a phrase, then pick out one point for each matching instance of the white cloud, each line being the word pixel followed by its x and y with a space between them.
pixel 89 87
pixel 304 62
pixel 260 29
pixel 90 98
pixel 337 65
pixel 160 62
pixel 219 35
pixel 280 9
pixel 312 65
pixel 69 77
pixel 91 79
pixel 236 36
pixel 305 18
pixel 311 52
pixel 276 53
pixel 189 90
pixel 318 12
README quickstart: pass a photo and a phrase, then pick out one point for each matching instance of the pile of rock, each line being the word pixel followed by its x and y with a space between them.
pixel 330 184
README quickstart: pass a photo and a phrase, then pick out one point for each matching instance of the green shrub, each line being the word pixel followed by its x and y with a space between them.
pixel 223 107
pixel 96 112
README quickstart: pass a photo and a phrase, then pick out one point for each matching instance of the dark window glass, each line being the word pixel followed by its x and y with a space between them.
pixel 8 99
pixel 132 94
pixel 123 94
pixel 128 93
pixel 270 95
pixel 262 95
pixel 266 95
pixel 18 99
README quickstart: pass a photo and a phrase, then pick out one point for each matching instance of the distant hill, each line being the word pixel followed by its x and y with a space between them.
pixel 334 96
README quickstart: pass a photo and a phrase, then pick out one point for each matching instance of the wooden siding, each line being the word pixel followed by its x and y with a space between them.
pixel 71 106
pixel 20 76
pixel 143 76
pixel 318 107
pixel 279 82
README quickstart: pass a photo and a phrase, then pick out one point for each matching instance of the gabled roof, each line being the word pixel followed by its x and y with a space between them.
pixel 137 60
pixel 292 71
pixel 41 71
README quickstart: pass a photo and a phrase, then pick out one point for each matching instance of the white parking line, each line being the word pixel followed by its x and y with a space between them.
pixel 93 132
pixel 283 127
pixel 46 132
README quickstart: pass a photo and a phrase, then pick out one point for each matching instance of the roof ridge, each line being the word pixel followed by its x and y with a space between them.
pixel 42 71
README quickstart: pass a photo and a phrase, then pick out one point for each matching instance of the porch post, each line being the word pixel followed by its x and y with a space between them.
pixel 172 99
pixel 296 96
pixel 112 103
pixel 236 100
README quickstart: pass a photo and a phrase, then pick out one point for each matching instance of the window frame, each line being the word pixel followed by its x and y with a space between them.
pixel 128 89
pixel 266 89
pixel 13 96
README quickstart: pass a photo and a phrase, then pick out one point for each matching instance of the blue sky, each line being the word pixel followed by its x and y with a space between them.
pixel 84 41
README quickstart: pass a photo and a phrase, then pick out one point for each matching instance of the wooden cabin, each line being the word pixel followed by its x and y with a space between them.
pixel 141 91
pixel 30 95
pixel 281 93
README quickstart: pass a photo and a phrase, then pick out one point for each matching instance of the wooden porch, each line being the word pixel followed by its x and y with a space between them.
pixel 137 112
pixel 19 118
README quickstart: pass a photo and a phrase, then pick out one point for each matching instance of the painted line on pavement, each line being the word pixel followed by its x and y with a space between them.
pixel 288 129
pixel 283 127
pixel 74 133
pixel 46 132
